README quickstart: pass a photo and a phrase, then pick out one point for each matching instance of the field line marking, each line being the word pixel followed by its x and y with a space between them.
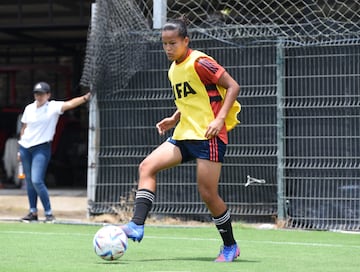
pixel 46 233
pixel 194 239
pixel 258 242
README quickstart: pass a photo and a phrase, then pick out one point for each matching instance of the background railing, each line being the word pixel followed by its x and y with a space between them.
pixel 298 141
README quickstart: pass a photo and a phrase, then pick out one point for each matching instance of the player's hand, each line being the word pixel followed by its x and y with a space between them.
pixel 87 96
pixel 214 128
pixel 165 124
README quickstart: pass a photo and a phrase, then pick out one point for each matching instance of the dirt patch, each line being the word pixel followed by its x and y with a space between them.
pixel 16 206
pixel 74 208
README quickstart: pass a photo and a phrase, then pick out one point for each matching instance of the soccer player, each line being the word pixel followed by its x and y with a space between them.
pixel 205 97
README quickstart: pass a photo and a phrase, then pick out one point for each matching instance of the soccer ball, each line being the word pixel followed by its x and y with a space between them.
pixel 110 242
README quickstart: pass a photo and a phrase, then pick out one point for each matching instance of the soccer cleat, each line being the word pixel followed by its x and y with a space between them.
pixel 49 218
pixel 133 231
pixel 228 253
pixel 30 217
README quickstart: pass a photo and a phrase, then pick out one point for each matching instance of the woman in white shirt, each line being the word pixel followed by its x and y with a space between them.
pixel 39 122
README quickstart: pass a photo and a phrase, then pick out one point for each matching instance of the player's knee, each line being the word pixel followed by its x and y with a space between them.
pixel 146 167
pixel 143 166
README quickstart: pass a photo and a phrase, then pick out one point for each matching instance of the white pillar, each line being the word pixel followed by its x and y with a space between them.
pixel 93 136
pixel 159 13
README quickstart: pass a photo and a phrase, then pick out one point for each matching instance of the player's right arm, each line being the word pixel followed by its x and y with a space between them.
pixel 168 122
pixel 23 126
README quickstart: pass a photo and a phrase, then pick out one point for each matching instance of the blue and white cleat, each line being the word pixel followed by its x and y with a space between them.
pixel 133 231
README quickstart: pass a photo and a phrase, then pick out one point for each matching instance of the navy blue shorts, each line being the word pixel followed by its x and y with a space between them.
pixel 212 149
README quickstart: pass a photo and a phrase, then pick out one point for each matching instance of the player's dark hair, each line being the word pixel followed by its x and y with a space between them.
pixel 178 24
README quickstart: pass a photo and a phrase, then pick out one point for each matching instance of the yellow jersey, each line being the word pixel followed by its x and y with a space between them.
pixel 193 102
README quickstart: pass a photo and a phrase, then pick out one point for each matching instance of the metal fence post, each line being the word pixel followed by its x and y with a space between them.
pixel 280 131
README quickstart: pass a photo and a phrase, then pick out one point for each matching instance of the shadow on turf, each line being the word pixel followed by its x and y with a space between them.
pixel 203 259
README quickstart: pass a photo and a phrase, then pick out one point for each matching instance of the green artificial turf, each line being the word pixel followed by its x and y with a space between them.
pixel 39 247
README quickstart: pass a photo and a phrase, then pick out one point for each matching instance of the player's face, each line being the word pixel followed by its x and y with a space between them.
pixel 41 98
pixel 175 47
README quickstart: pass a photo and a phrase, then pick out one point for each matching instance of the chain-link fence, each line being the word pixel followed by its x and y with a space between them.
pixel 295 154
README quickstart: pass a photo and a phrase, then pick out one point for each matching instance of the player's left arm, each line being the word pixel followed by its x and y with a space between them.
pixel 210 72
pixel 75 102
pixel 232 92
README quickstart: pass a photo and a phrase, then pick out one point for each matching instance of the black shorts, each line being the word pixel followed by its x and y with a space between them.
pixel 212 149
